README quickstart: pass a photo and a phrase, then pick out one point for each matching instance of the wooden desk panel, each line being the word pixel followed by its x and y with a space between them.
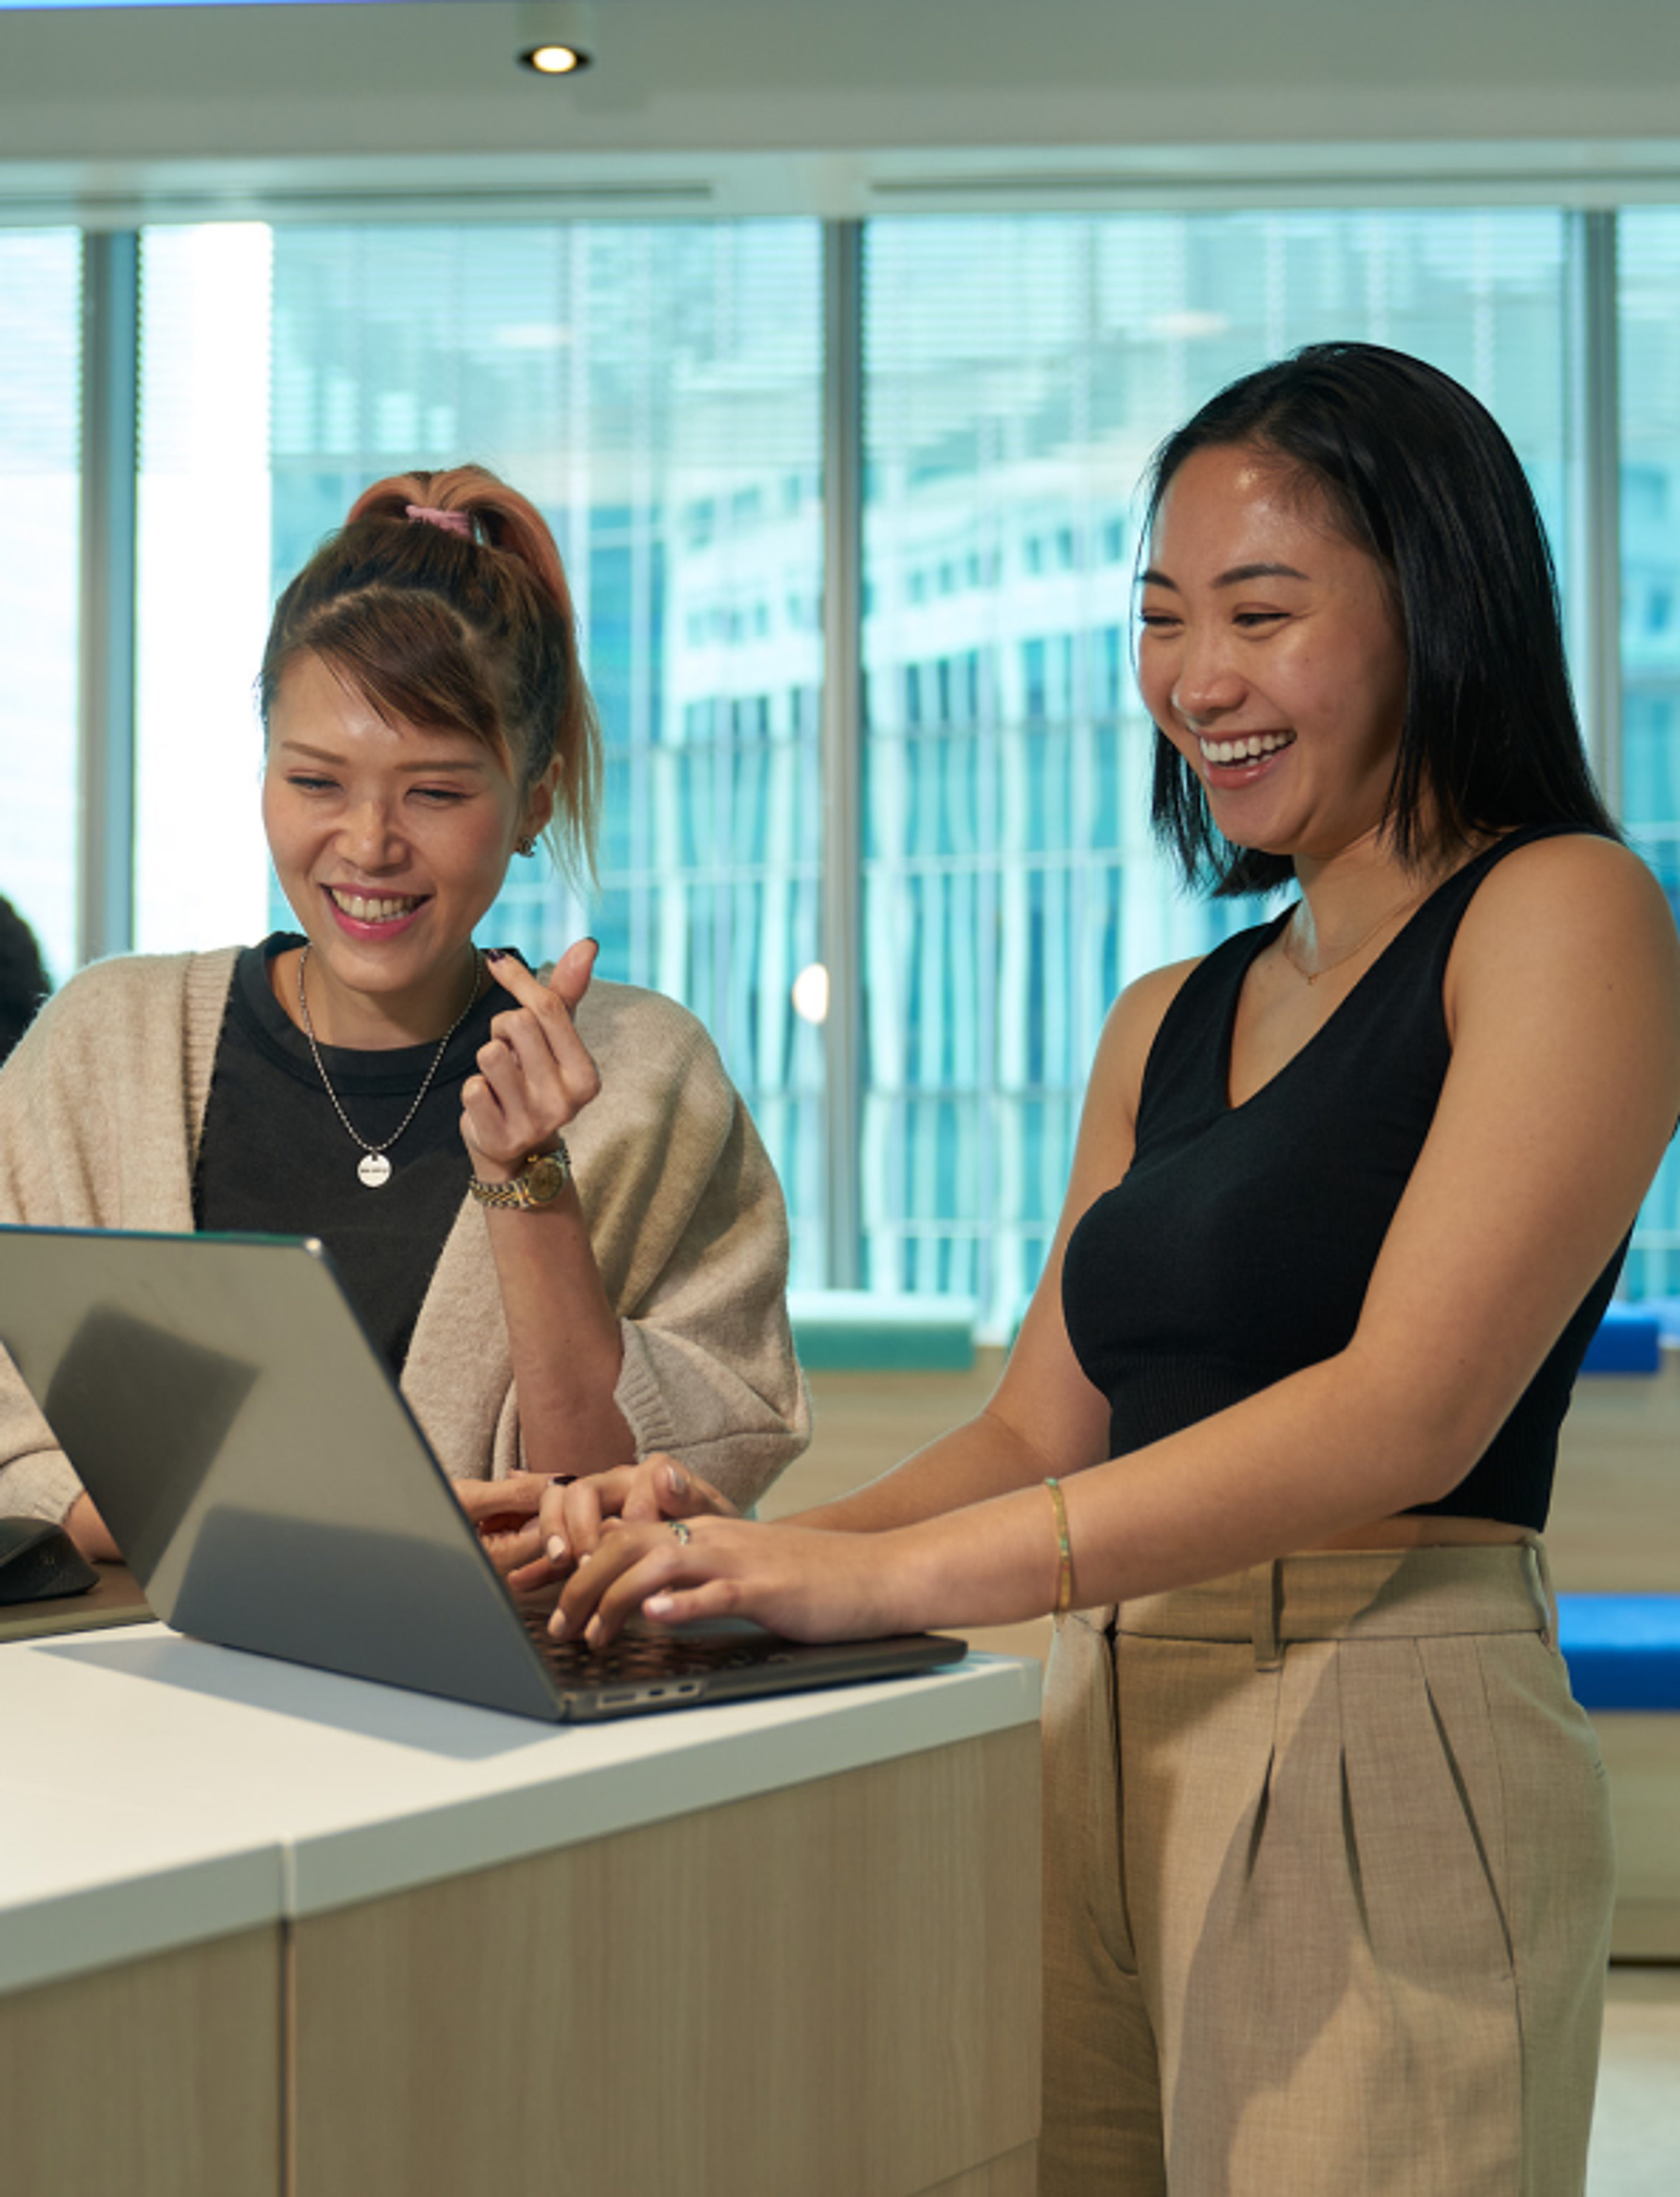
pixel 268 1933
pixel 829 1989
pixel 159 2077
pixel 1014 2175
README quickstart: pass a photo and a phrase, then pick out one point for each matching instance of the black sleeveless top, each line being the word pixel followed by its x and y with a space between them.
pixel 1237 1247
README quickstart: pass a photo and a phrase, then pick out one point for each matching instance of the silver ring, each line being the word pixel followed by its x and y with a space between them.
pixel 680 1528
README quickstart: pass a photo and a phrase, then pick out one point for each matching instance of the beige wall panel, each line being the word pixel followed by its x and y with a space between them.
pixel 157 2079
pixel 1611 1526
pixel 1642 1756
pixel 827 1990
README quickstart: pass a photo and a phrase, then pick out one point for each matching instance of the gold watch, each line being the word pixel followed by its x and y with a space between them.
pixel 539 1182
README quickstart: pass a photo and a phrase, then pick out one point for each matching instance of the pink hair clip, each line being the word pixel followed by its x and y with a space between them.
pixel 452 522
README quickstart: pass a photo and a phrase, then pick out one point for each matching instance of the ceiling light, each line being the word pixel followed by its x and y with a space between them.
pixel 554 60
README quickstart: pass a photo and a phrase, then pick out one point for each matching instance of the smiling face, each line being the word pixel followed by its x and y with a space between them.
pixel 1270 655
pixel 390 840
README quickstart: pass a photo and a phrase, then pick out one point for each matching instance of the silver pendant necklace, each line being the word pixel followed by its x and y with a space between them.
pixel 373 1168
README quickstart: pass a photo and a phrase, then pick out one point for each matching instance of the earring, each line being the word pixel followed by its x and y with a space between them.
pixel 525 846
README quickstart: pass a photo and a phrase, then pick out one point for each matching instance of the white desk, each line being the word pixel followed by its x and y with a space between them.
pixel 265 1929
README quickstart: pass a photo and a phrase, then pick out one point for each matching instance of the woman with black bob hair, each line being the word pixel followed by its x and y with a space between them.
pixel 1328 1864
pixel 1420 475
pixel 23 978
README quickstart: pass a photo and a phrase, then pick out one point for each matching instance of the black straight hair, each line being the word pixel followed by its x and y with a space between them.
pixel 23 978
pixel 1416 471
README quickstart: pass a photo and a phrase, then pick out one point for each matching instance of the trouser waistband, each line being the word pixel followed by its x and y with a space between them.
pixel 1332 1594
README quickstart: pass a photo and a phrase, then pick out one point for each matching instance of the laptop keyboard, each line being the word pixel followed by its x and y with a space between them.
pixel 647 1666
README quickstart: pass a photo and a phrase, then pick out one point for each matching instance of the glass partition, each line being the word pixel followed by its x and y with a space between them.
pixel 657 387
pixel 40 538
pixel 1019 371
pixel 1648 331
pixel 655 390
pixel 203 587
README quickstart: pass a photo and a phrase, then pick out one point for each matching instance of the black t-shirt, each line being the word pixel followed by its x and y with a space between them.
pixel 275 1159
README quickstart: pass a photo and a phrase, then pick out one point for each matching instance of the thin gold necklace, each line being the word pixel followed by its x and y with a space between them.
pixel 1358 946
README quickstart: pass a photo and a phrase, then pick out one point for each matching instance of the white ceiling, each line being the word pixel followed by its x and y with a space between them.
pixel 835 106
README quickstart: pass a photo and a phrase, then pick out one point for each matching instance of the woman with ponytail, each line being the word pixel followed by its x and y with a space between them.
pixel 543 1195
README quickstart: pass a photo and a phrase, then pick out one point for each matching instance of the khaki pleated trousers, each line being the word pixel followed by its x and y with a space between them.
pixel 1329 1878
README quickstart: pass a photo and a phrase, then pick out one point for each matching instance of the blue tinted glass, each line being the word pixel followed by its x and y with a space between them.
pixel 656 391
pixel 1649 335
pixel 40 530
pixel 1020 370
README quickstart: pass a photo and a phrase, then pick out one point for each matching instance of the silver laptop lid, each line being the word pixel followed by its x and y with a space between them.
pixel 255 1463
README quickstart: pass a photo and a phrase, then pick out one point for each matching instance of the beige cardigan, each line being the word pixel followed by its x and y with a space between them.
pixel 102 1107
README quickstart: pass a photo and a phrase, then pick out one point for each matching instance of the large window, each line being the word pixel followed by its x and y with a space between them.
pixel 1019 373
pixel 40 493
pixel 1648 323
pixel 658 388
pixel 657 392
pixel 203 586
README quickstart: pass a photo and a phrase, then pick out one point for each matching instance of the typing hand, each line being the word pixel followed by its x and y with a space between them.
pixel 504 1514
pixel 575 1513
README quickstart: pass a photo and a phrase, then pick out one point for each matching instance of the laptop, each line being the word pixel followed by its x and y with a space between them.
pixel 271 1489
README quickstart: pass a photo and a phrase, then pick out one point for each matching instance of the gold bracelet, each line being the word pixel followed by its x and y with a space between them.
pixel 1065 1583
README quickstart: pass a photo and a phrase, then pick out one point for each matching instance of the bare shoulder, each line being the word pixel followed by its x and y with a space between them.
pixel 1570 898
pixel 1134 1019
pixel 1572 865
pixel 1575 930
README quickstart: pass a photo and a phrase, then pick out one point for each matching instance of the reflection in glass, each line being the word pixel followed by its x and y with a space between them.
pixel 1648 337
pixel 657 391
pixel 40 530
pixel 1019 372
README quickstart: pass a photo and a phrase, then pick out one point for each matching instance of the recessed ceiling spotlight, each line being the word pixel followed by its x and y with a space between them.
pixel 554 60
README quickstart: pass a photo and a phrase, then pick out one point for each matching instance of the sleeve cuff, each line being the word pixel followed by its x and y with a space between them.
pixel 39 1486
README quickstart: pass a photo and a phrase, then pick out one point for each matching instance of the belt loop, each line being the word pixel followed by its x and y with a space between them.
pixel 1265 1587
pixel 1545 1592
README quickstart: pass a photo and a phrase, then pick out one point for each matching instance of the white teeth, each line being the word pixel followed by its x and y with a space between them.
pixel 1244 749
pixel 361 910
